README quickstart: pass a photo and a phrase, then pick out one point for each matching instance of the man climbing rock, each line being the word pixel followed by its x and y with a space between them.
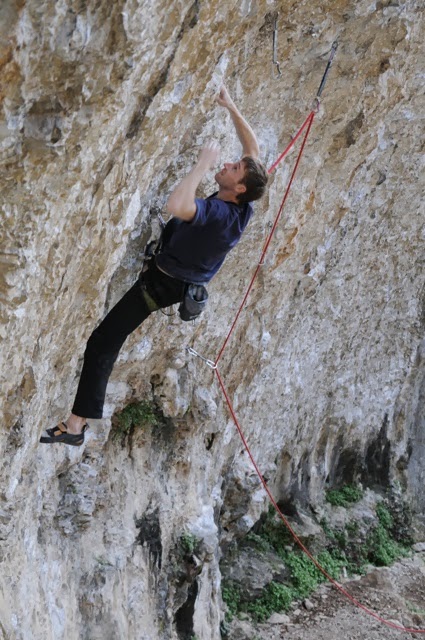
pixel 194 245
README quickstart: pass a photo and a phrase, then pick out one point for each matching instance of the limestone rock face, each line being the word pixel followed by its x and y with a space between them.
pixel 104 108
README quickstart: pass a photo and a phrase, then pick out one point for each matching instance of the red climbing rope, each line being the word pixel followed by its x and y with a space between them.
pixel 308 122
pixel 291 144
pixel 213 364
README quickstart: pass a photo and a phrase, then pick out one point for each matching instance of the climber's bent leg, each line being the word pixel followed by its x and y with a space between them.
pixel 102 351
pixel 106 341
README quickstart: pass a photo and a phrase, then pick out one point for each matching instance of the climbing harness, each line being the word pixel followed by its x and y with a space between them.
pixel 149 253
pixel 195 297
pixel 213 364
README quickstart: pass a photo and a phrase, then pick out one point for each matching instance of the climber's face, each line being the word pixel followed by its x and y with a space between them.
pixel 230 177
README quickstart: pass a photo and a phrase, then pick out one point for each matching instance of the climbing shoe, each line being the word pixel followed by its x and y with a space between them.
pixel 60 434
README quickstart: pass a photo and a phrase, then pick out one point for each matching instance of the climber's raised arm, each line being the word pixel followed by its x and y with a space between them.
pixel 245 133
pixel 181 202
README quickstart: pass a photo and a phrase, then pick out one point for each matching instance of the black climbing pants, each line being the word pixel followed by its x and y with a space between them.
pixel 106 341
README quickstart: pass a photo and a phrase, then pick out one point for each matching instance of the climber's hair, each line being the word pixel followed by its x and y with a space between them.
pixel 255 180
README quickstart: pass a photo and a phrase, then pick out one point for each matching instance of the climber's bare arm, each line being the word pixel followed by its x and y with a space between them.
pixel 181 202
pixel 245 133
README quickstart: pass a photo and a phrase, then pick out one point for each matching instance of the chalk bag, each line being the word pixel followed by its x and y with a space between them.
pixel 194 302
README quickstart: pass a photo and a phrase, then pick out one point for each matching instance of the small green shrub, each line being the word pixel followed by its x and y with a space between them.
pixel 304 574
pixel 274 532
pixel 276 597
pixel 329 532
pixel 344 497
pixel 379 546
pixel 306 577
pixel 232 598
pixel 382 546
pixel 258 542
pixel 138 414
pixel 341 538
pixel 401 515
pixel 332 562
pixel 188 543
pixel 382 550
pixel 384 516
pixel 352 528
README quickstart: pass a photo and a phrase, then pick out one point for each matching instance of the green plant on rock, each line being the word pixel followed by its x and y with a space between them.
pixel 384 516
pixel 306 577
pixel 258 542
pixel 396 515
pixel 352 528
pixel 188 543
pixel 231 595
pixel 344 497
pixel 329 532
pixel 382 547
pixel 333 562
pixel 136 415
pixel 341 538
pixel 304 574
pixel 356 555
pixel 379 546
pixel 276 597
pixel 274 532
pixel 382 550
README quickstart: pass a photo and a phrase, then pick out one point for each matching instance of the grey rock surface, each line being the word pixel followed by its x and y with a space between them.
pixel 279 618
pixel 104 107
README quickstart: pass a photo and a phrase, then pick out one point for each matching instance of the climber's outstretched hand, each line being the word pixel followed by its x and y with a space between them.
pixel 209 156
pixel 224 99
pixel 245 133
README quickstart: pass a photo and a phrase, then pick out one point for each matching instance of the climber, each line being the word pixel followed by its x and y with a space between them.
pixel 194 245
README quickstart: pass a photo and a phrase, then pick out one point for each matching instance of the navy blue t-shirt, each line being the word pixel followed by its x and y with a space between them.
pixel 194 251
